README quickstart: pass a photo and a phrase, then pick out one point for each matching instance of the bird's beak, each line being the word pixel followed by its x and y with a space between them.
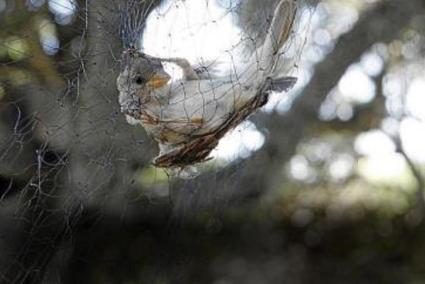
pixel 158 80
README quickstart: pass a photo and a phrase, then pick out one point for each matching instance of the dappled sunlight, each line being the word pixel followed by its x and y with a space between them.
pixel 356 86
pixel 63 10
pixel 301 170
pixel 60 7
pixel 375 157
pixel 372 63
pixel 413 137
pixel 48 38
pixel 415 99
pixel 374 143
pixel 341 167
pixel 323 184
pixel 239 143
pixel 386 170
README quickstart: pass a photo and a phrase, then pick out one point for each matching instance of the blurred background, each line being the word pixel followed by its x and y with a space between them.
pixel 323 185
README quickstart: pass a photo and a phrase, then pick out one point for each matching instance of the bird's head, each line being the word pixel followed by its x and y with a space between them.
pixel 141 74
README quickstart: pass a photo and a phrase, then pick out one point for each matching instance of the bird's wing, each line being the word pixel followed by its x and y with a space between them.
pixel 281 84
pixel 195 147
pixel 189 73
pixel 198 107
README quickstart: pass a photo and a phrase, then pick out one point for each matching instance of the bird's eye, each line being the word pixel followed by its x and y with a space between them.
pixel 140 80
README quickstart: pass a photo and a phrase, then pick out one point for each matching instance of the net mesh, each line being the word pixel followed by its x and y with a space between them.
pixel 65 144
pixel 77 182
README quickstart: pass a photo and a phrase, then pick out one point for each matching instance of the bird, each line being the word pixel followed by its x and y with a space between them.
pixel 188 116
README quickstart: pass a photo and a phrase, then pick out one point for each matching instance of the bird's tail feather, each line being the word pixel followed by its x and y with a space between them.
pixel 282 84
pixel 278 33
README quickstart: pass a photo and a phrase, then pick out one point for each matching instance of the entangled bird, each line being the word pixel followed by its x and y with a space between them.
pixel 187 117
